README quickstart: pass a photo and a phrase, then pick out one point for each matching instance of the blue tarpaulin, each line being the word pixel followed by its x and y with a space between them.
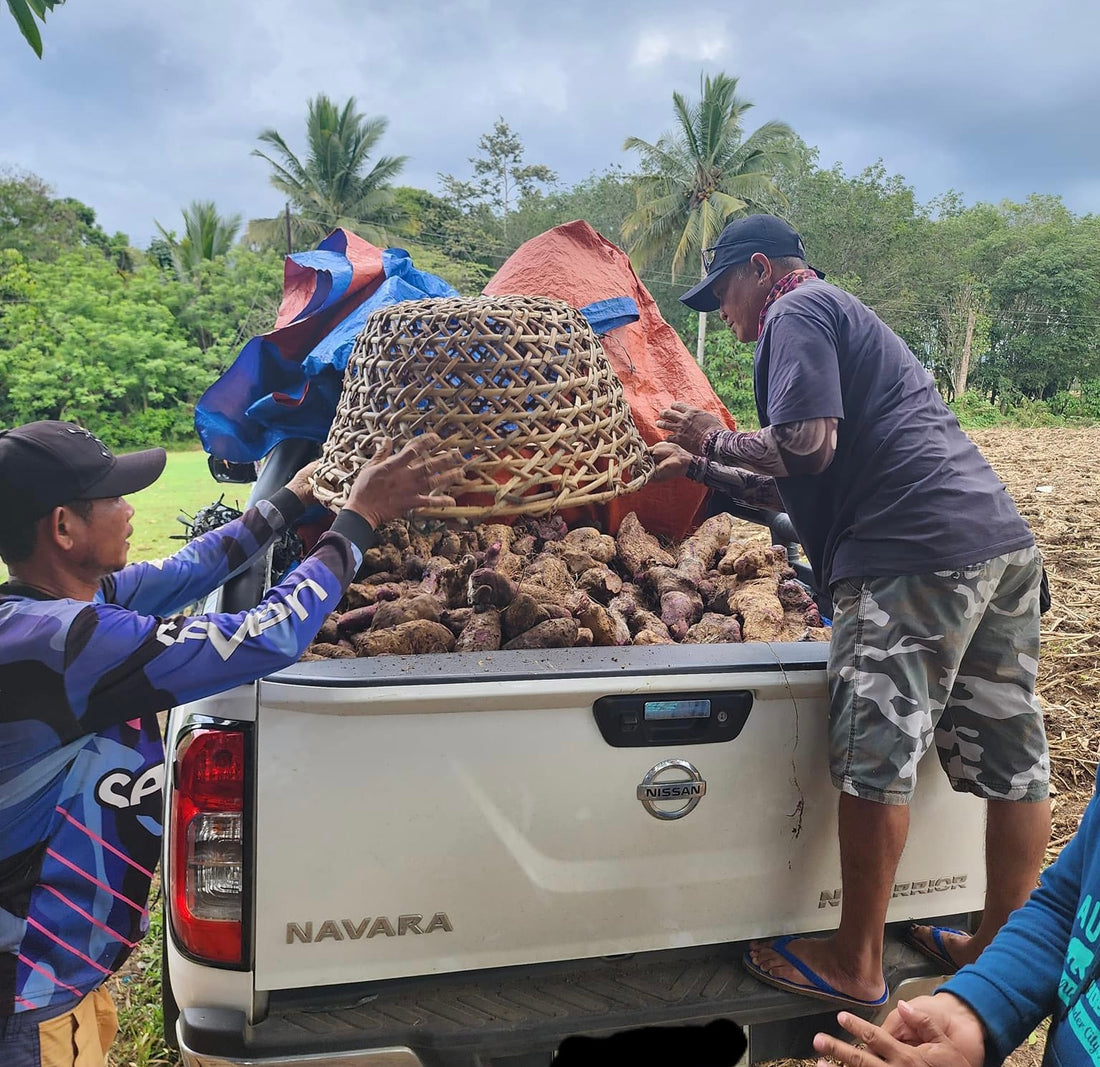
pixel 286 383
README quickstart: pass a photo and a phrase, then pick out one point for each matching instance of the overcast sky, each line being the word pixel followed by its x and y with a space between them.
pixel 140 106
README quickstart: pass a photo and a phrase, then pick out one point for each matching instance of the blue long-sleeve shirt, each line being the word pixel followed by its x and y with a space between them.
pixel 1046 961
pixel 81 755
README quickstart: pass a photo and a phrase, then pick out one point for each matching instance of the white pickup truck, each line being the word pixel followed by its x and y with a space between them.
pixel 462 859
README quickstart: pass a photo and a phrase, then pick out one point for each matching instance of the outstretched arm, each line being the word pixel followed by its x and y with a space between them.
pixel 755 490
pixel 120 663
pixel 786 450
pixel 160 587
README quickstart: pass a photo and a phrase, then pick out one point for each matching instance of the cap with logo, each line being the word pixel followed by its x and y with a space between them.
pixel 737 244
pixel 46 464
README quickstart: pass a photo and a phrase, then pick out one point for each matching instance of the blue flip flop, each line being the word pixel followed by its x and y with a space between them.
pixel 818 987
pixel 937 950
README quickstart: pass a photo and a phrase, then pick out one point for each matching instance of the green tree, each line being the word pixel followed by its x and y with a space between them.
pixel 225 302
pixel 41 226
pixel 332 187
pixel 501 177
pixel 23 11
pixel 89 343
pixel 206 234
pixel 1045 332
pixel 700 175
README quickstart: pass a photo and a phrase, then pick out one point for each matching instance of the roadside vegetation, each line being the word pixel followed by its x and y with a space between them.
pixel 1000 301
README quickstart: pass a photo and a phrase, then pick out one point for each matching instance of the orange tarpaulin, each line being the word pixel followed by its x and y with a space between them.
pixel 576 264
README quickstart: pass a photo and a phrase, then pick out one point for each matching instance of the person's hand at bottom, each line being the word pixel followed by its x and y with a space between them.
pixel 926 1036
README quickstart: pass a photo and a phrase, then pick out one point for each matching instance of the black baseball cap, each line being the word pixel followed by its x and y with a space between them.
pixel 737 244
pixel 46 464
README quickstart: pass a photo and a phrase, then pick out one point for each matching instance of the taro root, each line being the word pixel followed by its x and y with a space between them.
pixel 330 650
pixel 488 587
pixel 524 546
pixel 381 558
pixel 554 633
pixel 638 550
pixel 495 533
pixel 794 596
pixel 681 604
pixel 600 582
pixel 522 614
pixel 639 618
pixel 547 578
pixel 482 633
pixel 418 637
pixel 761 613
pixel 608 627
pixel 450 546
pixel 359 595
pixel 582 549
pixel 455 619
pixel 601 547
pixel 394 533
pixel 328 634
pixel 446 579
pixel 547 527
pixel 651 637
pixel 357 619
pixel 699 553
pixel 712 629
pixel 395 612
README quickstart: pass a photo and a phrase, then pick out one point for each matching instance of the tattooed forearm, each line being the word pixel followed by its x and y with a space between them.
pixel 784 451
pixel 756 490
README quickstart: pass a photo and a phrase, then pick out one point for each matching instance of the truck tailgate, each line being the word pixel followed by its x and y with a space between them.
pixel 422 817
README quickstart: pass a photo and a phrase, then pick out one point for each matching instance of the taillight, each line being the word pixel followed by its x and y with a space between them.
pixel 207 876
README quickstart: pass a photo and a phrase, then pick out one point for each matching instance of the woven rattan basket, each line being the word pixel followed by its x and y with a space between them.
pixel 520 385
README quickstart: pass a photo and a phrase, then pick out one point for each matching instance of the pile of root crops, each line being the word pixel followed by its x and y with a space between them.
pixel 539 584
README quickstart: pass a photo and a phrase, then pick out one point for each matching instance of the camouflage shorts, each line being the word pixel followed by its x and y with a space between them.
pixel 951 657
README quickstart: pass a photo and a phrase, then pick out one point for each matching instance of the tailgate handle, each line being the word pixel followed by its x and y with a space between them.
pixel 653 719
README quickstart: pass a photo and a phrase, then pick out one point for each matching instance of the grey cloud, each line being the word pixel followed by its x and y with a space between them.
pixel 139 108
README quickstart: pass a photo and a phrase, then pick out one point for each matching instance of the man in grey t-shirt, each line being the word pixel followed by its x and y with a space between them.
pixel 935 582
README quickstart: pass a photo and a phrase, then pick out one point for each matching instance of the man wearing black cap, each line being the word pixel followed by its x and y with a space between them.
pixel 935 581
pixel 90 651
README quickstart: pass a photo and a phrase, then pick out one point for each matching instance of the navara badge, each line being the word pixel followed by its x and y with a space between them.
pixel 656 790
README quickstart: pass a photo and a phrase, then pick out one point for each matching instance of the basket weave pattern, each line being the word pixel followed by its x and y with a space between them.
pixel 520 385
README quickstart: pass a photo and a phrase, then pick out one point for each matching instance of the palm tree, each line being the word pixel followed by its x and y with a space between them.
pixel 700 175
pixel 330 189
pixel 206 234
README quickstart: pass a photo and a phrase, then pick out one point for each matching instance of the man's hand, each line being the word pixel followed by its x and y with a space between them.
pixel 954 1017
pixel 300 485
pixel 671 461
pixel 687 426
pixel 390 486
pixel 926 1043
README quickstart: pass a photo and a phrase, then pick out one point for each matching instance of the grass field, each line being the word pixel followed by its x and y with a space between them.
pixel 185 485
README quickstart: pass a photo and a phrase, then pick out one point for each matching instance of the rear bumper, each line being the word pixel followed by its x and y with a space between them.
pixel 383 1057
pixel 509 1016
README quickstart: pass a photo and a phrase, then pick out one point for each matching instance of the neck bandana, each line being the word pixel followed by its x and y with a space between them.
pixel 785 285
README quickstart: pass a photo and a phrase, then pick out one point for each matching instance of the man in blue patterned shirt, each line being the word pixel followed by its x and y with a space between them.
pixel 90 651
